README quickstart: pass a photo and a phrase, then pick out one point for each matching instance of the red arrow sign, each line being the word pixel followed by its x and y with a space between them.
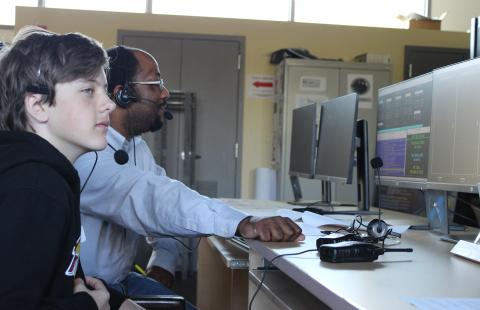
pixel 262 84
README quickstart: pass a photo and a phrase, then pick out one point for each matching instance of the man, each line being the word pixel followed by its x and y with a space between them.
pixel 129 196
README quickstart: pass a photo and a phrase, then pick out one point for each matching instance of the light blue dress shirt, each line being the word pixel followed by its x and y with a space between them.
pixel 122 203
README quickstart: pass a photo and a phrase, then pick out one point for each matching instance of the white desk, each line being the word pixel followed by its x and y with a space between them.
pixel 430 271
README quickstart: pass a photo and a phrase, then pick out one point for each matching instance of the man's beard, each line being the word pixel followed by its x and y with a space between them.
pixel 137 125
pixel 157 124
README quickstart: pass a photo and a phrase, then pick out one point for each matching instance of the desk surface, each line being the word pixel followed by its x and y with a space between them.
pixel 430 271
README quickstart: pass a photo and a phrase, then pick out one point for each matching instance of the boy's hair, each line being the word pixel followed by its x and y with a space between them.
pixel 35 62
pixel 123 66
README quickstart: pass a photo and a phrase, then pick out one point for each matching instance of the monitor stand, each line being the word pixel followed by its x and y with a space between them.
pixel 297 194
pixel 439 220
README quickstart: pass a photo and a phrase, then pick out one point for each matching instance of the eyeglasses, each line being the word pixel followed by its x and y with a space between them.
pixel 160 83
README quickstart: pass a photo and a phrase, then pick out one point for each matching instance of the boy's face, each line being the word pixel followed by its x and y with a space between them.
pixel 79 119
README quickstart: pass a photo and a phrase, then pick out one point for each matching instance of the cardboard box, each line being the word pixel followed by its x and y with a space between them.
pixel 374 58
pixel 432 24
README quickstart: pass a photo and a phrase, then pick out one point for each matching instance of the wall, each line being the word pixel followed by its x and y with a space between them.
pixel 6 33
pixel 459 13
pixel 262 37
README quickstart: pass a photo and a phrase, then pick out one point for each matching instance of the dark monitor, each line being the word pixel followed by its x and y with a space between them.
pixel 403 131
pixel 337 136
pixel 475 38
pixel 302 150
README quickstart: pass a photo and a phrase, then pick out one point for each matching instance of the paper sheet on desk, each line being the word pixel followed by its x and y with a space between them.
pixel 308 229
pixel 317 220
pixel 400 229
pixel 293 215
pixel 444 303
pixel 310 218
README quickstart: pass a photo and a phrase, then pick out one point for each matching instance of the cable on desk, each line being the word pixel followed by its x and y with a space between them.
pixel 267 268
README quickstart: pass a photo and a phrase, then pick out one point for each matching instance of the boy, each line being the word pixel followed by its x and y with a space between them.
pixel 53 108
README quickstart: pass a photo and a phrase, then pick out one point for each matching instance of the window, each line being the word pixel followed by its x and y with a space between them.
pixel 7 10
pixel 132 6
pixel 248 9
pixel 371 13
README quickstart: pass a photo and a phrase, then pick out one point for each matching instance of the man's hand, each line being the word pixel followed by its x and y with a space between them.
pixel 161 275
pixel 99 293
pixel 275 228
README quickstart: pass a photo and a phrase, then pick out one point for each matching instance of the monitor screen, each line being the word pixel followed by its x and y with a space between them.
pixel 403 130
pixel 302 146
pixel 454 161
pixel 336 143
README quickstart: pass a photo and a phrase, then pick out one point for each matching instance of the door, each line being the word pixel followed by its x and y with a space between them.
pixel 208 66
pixel 423 59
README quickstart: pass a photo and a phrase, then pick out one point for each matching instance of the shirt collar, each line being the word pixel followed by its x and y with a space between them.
pixel 120 142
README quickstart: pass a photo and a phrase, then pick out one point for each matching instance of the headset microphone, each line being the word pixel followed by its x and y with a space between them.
pixel 167 114
pixel 124 98
pixel 120 156
pixel 376 163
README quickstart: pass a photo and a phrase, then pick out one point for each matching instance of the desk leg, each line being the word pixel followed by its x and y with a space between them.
pixel 218 287
pixel 239 286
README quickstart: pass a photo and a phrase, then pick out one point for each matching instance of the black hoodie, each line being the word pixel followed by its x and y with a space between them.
pixel 39 226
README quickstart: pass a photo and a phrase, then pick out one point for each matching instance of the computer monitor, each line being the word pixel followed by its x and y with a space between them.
pixel 341 137
pixel 475 38
pixel 428 136
pixel 302 146
pixel 403 131
pixel 337 139
pixel 454 159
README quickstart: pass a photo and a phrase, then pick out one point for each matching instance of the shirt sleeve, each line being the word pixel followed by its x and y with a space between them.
pixel 164 254
pixel 32 231
pixel 151 204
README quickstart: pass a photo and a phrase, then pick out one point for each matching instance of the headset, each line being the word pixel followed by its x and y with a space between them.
pixel 124 98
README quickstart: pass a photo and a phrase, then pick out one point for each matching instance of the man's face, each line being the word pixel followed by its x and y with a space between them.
pixel 79 118
pixel 147 113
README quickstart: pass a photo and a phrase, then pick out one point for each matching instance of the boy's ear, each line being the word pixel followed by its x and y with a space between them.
pixel 36 108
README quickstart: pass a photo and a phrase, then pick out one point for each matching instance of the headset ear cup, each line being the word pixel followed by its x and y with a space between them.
pixel 122 99
pixel 377 229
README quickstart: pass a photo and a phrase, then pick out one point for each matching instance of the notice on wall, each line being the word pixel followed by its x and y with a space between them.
pixel 313 83
pixel 260 86
pixel 362 84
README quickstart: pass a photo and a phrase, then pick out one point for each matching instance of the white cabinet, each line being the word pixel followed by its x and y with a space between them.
pixel 301 82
